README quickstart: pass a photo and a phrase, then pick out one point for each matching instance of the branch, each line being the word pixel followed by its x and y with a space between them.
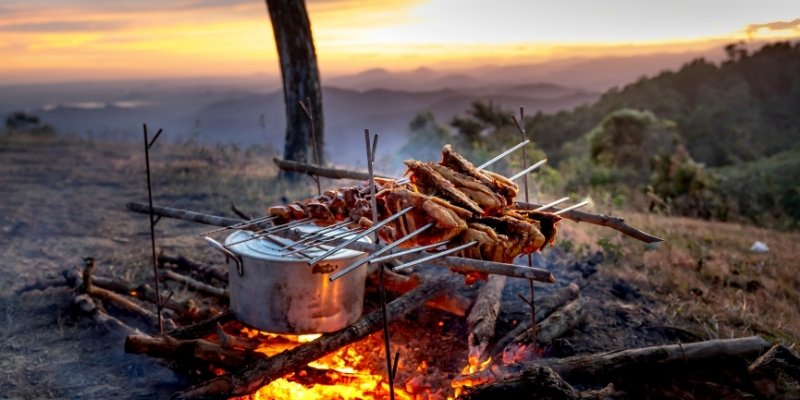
pixel 311 169
pixel 616 223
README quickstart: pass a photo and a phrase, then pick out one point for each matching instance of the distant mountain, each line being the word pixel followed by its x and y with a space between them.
pixel 233 115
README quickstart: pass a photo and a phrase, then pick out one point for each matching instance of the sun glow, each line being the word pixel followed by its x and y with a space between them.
pixel 103 40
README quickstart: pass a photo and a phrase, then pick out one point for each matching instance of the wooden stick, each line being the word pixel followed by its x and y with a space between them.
pixel 86 305
pixel 616 223
pixel 605 366
pixel 543 381
pixel 264 371
pixel 187 215
pixel 185 350
pixel 546 306
pixel 42 284
pixel 193 283
pixel 203 327
pixel 561 321
pixel 204 271
pixel 482 318
pixel 456 263
pixel 311 169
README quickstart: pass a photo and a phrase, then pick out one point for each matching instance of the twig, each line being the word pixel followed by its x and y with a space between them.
pixel 616 223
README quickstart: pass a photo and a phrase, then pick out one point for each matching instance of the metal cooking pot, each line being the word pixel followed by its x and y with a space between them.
pixel 281 294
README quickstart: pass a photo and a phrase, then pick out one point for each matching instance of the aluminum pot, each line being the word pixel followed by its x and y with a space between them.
pixel 280 294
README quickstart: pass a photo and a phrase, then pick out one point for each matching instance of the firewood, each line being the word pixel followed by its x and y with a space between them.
pixel 311 169
pixel 776 374
pixel 185 351
pixel 449 302
pixel 194 283
pixel 544 307
pixel 117 300
pixel 482 319
pixel 203 327
pixel 615 223
pixel 186 215
pixel 540 383
pixel 205 271
pixel 229 341
pixel 561 321
pixel 264 371
pixel 604 366
pixel 42 284
pixel 87 306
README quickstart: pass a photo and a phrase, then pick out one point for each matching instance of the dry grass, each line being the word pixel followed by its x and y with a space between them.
pixel 705 274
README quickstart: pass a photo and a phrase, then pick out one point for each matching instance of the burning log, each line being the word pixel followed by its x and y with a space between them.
pixel 193 283
pixel 203 327
pixel 264 371
pixel 204 271
pixel 482 318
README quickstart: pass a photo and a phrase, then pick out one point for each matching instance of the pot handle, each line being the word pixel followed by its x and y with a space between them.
pixel 228 254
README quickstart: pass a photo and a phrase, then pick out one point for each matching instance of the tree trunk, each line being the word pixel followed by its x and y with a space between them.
pixel 300 74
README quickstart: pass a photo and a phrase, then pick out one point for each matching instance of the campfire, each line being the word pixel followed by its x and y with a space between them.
pixel 450 216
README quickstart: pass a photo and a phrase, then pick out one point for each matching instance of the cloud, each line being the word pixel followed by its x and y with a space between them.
pixel 774 26
pixel 63 26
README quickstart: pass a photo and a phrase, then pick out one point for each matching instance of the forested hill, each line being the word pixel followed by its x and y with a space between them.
pixel 746 108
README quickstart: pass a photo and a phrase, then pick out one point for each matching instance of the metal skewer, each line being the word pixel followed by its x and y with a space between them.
pixel 240 224
pixel 261 233
pixel 407 252
pixel 570 208
pixel 528 170
pixel 374 228
pixel 555 203
pixel 371 258
pixel 310 237
pixel 434 256
pixel 503 154
pixel 320 242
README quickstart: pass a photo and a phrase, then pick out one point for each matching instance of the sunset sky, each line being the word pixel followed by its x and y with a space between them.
pixel 61 40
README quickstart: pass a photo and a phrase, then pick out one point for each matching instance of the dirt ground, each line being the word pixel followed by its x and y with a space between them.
pixel 64 199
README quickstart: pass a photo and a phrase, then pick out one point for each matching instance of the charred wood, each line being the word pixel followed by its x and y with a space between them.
pixel 203 271
pixel 194 284
pixel 776 374
pixel 482 319
pixel 561 321
pixel 540 383
pixel 544 307
pixel 264 371
pixel 202 328
pixel 448 302
pixel 185 351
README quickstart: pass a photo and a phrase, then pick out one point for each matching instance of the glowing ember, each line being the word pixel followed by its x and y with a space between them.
pixel 341 375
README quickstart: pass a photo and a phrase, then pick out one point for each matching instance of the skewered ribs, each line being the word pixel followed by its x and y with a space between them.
pixel 464 204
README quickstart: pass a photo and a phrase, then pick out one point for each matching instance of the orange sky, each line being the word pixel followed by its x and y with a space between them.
pixel 60 40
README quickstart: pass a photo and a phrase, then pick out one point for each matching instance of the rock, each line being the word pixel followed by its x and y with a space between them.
pixel 776 374
pixel 759 247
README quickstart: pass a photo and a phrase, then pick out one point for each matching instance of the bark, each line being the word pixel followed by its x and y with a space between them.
pixel 300 74
pixel 185 351
pixel 315 170
pixel 194 284
pixel 203 271
pixel 482 319
pixel 265 371
pixel 561 322
pixel 544 307
pixel 776 374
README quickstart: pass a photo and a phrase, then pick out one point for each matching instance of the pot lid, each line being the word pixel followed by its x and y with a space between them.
pixel 271 250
